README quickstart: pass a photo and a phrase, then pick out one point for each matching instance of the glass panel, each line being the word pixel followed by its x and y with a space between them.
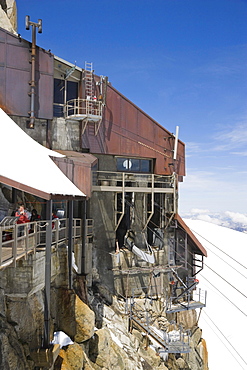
pixel 58 97
pixel 145 165
pixel 121 164
pixel 134 165
pixel 72 90
pixel 58 91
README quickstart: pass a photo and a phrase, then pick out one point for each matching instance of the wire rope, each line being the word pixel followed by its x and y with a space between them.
pixel 218 290
pixel 225 296
pixel 226 281
pixel 227 263
pixel 219 249
pixel 226 340
pixel 215 272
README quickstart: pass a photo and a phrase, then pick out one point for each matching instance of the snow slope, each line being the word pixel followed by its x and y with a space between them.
pixel 224 323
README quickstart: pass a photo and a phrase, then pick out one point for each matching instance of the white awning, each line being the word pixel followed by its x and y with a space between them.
pixel 27 165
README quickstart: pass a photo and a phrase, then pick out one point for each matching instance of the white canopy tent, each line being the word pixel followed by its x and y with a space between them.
pixel 27 165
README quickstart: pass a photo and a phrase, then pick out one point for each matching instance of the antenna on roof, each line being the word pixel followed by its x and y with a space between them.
pixel 176 144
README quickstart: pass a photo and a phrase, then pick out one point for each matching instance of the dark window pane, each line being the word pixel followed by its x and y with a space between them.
pixel 145 165
pixel 58 91
pixel 72 90
pixel 57 110
pixel 134 165
pixel 120 162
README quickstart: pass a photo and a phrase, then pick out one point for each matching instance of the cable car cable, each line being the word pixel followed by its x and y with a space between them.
pixel 225 337
pixel 224 296
pixel 219 249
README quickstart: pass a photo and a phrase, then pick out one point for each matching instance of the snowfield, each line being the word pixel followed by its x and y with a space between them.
pixel 224 319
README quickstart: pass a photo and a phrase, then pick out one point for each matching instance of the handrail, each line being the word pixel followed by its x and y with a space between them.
pixel 176 341
pixel 111 178
pixel 83 107
pixel 19 240
pixel 187 301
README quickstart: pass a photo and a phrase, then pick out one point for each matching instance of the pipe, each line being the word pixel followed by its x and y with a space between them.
pixel 70 242
pixel 83 268
pixel 33 57
pixel 47 301
pixel 32 83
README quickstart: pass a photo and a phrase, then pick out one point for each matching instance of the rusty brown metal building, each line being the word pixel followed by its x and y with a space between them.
pixel 98 130
pixel 125 129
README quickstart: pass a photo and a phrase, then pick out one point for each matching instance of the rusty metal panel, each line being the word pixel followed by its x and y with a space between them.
pixel 45 62
pixel 127 130
pixel 2 53
pixel 15 75
pixel 44 96
pixel 2 69
pixel 17 99
pixel 18 57
pixel 77 167
pixel 2 88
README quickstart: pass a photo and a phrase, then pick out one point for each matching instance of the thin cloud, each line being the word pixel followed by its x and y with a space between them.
pixel 241 154
pixel 232 138
pixel 198 210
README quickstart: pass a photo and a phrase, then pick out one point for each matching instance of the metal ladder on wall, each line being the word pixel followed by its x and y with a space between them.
pixel 93 107
pixel 89 85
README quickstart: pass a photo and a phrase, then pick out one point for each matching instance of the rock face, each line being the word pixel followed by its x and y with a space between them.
pixel 85 319
pixel 12 355
pixel 8 15
pixel 110 347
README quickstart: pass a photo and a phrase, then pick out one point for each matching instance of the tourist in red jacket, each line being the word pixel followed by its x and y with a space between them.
pixel 22 215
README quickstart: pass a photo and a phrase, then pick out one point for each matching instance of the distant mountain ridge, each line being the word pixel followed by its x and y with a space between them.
pixel 232 220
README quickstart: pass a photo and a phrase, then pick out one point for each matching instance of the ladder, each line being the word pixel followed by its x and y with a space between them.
pixel 92 106
pixel 89 81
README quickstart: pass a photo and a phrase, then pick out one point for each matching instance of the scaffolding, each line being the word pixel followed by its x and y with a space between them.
pixel 176 340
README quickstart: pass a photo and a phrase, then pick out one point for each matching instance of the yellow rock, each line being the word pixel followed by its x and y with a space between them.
pixel 85 321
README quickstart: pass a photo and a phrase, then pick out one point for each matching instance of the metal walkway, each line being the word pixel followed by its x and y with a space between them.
pixel 19 240
pixel 175 341
pixel 170 346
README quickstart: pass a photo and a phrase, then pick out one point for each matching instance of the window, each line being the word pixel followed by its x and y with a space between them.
pixel 134 165
pixel 59 94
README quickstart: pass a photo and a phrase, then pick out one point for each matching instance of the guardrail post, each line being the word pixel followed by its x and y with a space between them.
pixel 70 242
pixel 1 239
pixel 26 240
pixel 15 241
pixel 56 232
pixel 47 302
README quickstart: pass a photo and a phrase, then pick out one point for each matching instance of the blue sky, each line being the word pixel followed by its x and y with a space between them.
pixel 181 61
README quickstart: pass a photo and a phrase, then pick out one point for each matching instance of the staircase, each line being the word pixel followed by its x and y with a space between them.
pixel 176 341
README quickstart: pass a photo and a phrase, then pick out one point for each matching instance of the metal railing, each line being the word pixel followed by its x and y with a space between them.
pixel 128 179
pixel 19 240
pixel 187 301
pixel 175 341
pixel 83 107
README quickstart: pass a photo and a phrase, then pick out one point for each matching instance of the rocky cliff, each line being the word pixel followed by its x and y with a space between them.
pixel 99 330
pixel 8 15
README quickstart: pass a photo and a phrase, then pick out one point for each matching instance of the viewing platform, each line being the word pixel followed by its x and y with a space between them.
pixel 84 110
pixel 18 240
pixel 187 301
